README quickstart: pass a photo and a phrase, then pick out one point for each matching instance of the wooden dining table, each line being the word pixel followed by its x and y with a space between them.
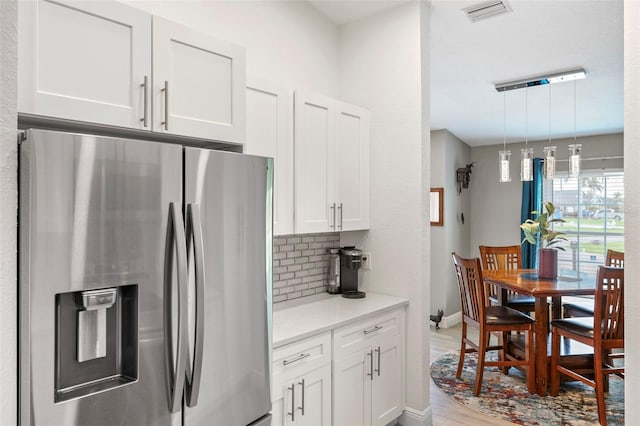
pixel 527 282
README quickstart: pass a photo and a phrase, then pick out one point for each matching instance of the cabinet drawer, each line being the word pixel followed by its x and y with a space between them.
pixel 303 355
pixel 356 336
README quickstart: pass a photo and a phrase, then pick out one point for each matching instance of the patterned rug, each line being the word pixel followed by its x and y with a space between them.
pixel 506 397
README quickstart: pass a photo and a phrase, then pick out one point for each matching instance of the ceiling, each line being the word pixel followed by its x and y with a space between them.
pixel 537 37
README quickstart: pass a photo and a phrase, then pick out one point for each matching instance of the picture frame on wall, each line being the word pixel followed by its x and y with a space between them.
pixel 436 206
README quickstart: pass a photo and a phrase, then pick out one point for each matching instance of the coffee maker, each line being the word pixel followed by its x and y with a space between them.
pixel 350 260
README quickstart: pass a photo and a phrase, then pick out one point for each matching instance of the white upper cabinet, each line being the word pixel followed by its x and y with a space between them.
pixel 331 165
pixel 198 84
pixel 84 61
pixel 270 134
pixel 92 61
pixel 315 208
pixel 352 174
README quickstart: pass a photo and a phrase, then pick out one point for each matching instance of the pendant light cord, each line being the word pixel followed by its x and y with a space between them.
pixel 575 114
pixel 549 114
pixel 526 118
pixel 504 120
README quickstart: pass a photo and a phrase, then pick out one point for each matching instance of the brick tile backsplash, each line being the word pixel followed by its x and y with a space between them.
pixel 300 265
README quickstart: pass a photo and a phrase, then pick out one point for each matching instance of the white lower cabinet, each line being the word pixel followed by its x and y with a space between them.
pixel 302 382
pixel 368 377
pixel 303 400
pixel 366 385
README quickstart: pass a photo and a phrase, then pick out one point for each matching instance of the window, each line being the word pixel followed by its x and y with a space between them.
pixel 593 208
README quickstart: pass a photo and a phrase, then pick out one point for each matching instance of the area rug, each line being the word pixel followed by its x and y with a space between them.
pixel 507 397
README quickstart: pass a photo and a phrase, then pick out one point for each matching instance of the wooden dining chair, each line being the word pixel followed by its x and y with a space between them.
pixel 505 257
pixel 604 332
pixel 585 309
pixel 477 313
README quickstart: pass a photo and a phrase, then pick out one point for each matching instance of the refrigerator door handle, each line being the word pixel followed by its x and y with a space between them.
pixel 194 233
pixel 175 378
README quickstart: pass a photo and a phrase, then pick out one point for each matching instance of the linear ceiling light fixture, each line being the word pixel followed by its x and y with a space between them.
pixel 526 153
pixel 486 9
pixel 558 77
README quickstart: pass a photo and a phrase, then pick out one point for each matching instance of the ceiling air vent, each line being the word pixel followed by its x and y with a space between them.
pixel 486 10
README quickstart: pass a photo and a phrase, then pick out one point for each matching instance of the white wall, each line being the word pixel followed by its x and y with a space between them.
pixel 448 153
pixel 382 70
pixel 502 201
pixel 8 209
pixel 286 41
pixel 632 204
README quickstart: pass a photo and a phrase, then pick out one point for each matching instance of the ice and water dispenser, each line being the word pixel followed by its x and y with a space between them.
pixel 96 340
pixel 92 322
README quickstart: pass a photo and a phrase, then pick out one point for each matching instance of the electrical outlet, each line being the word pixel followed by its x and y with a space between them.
pixel 366 261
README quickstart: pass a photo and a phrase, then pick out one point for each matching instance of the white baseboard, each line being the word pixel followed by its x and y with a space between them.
pixel 413 417
pixel 451 320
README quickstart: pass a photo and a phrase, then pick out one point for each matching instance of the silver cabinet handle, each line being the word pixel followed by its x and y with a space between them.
pixel 175 234
pixel 165 89
pixel 145 97
pixel 333 214
pixel 293 403
pixel 370 373
pixel 194 233
pixel 378 369
pixel 302 406
pixel 296 359
pixel 340 209
pixel 371 330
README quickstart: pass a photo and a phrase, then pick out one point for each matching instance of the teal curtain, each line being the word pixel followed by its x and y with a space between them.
pixel 531 201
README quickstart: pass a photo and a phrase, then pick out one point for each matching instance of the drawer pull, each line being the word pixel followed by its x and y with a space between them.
pixel 371 330
pixel 298 358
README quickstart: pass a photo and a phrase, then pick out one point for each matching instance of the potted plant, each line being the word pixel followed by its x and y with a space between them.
pixel 539 230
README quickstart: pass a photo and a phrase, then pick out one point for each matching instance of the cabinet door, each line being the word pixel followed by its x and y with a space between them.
pixel 270 134
pixel 387 394
pixel 198 84
pixel 317 398
pixel 315 208
pixel 352 174
pixel 352 389
pixel 281 399
pixel 84 61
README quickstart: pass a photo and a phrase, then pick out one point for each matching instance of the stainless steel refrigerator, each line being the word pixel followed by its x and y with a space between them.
pixel 145 283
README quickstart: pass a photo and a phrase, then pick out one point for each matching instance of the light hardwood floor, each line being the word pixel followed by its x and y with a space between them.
pixel 447 412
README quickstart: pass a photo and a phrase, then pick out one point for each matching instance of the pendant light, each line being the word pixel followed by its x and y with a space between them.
pixel 504 156
pixel 550 151
pixel 574 148
pixel 526 153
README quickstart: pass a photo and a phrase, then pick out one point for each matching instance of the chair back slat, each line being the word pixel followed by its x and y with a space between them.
pixel 609 319
pixel 615 259
pixel 500 258
pixel 471 285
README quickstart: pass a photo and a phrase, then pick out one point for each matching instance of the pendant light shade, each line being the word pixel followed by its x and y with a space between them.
pixel 574 148
pixel 504 159
pixel 526 164
pixel 550 162
pixel 526 153
pixel 504 156
pixel 574 160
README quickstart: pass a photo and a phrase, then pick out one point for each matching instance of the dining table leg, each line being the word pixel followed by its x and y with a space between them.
pixel 541 337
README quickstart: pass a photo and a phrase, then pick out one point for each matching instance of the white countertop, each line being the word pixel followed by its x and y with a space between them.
pixel 306 319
